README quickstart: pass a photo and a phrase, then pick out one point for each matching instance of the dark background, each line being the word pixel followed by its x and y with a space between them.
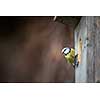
pixel 30 50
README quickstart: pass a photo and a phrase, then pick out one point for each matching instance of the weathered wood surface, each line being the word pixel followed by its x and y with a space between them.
pixel 81 33
pixel 97 50
pixel 91 33
pixel 89 68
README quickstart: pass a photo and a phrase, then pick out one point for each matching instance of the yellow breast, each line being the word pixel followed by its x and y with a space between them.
pixel 70 56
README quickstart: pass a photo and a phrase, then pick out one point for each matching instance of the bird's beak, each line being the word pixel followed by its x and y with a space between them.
pixel 62 52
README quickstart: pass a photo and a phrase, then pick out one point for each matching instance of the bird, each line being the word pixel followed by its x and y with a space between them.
pixel 69 54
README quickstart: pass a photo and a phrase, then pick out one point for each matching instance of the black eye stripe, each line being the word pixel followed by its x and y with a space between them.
pixel 64 50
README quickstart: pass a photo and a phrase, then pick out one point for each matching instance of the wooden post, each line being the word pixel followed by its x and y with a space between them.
pixel 88 31
pixel 97 50
pixel 81 34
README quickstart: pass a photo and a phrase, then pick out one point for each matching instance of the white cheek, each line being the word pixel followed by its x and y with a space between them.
pixel 66 51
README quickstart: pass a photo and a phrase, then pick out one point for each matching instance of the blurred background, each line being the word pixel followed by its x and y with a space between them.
pixel 30 49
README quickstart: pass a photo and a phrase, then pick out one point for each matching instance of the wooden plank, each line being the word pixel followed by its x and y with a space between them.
pixel 91 32
pixel 81 33
pixel 88 68
pixel 97 50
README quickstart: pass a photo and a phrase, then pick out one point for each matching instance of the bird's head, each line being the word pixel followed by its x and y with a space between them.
pixel 65 50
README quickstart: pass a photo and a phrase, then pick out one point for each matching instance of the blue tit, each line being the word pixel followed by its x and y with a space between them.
pixel 69 54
